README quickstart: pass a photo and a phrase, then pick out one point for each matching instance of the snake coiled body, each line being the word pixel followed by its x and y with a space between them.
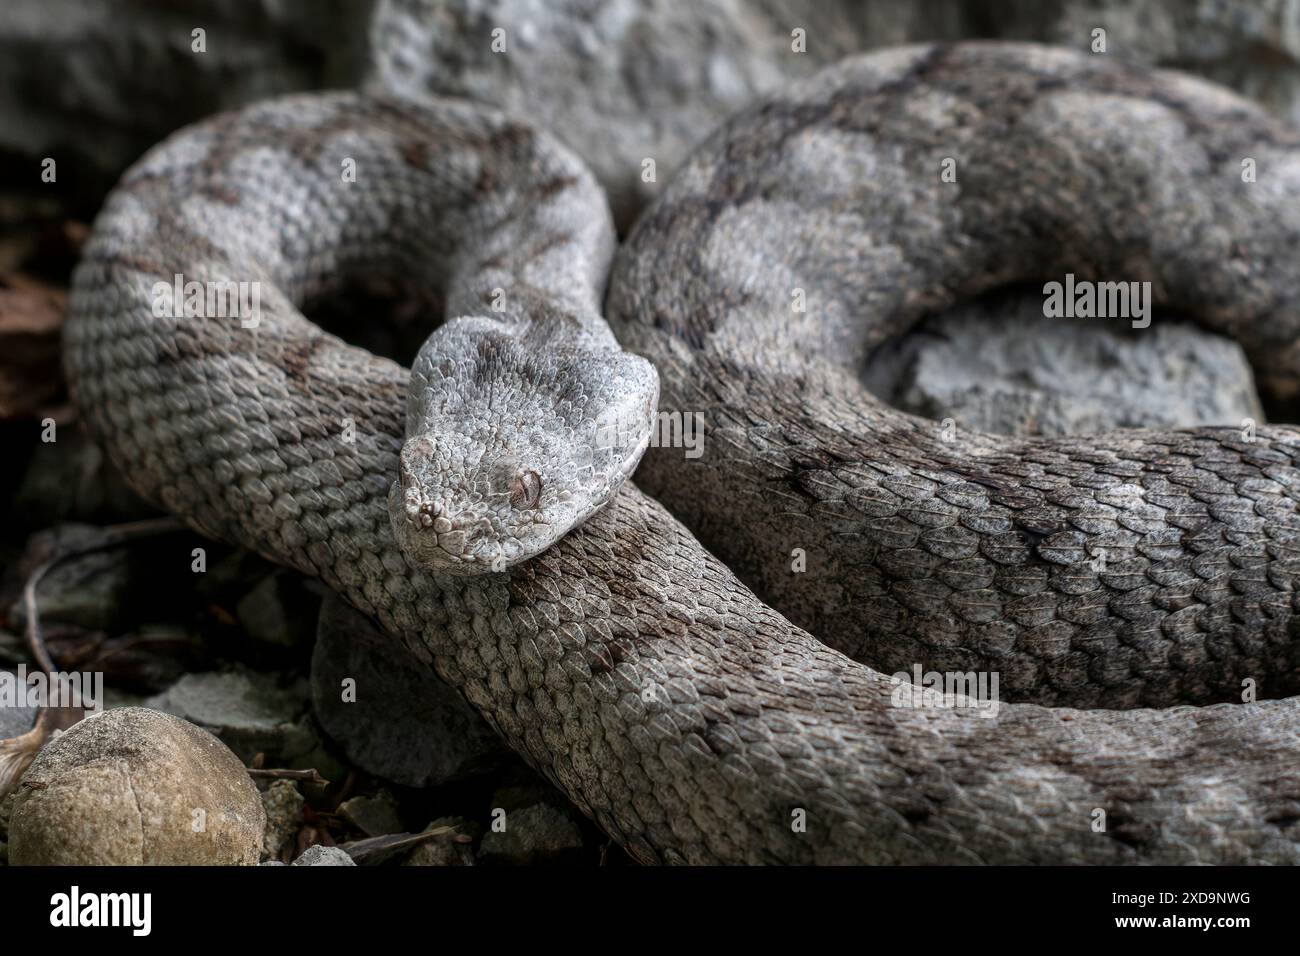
pixel 1142 568
pixel 690 719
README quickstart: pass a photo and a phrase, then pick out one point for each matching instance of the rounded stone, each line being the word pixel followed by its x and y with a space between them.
pixel 402 722
pixel 135 786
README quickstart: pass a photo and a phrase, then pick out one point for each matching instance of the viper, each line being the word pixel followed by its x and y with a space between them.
pixel 478 508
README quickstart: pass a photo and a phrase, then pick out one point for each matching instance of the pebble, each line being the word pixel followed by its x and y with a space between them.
pixel 444 850
pixel 252 712
pixel 540 833
pixel 324 856
pixel 373 816
pixel 135 786
pixel 283 805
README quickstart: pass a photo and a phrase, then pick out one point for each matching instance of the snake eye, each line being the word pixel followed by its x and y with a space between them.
pixel 526 490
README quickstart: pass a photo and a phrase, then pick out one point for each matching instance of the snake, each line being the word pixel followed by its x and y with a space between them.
pixel 478 506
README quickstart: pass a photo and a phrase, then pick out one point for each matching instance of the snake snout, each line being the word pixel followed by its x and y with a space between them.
pixel 422 512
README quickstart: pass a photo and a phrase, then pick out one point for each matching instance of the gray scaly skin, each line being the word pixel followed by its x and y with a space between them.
pixel 689 719
pixel 1140 568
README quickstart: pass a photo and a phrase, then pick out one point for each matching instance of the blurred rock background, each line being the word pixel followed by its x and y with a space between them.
pixel 96 84
pixel 414 776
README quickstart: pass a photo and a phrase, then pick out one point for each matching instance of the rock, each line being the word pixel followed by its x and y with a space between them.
pixel 999 365
pixel 71 479
pixel 373 816
pixel 444 850
pixel 283 806
pixel 133 786
pixel 280 610
pixel 143 661
pixel 323 856
pixel 31 316
pixel 13 649
pixel 405 724
pixel 540 833
pixel 232 573
pixel 621 81
pixel 1252 48
pixel 251 712
pixel 115 699
pixel 91 590
pixel 97 84
pixel 6 813
pixel 524 789
pixel 104 586
pixel 15 720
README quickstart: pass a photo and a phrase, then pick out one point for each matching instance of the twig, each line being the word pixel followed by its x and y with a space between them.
pixel 112 537
pixel 376 849
pixel 17 753
pixel 309 776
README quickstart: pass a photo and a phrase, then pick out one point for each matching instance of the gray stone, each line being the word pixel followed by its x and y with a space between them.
pixel 373 816
pixel 999 365
pixel 405 724
pixel 1253 48
pixel 251 712
pixel 622 81
pixel 134 786
pixel 71 479
pixel 149 658
pixel 6 813
pixel 525 790
pixel 114 699
pixel 324 856
pixel 231 574
pixel 16 720
pixel 625 80
pixel 93 85
pixel 91 590
pixel 280 610
pixel 13 649
pixel 283 806
pixel 540 833
pixel 444 850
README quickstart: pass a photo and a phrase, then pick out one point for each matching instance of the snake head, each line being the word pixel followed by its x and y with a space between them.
pixel 511 443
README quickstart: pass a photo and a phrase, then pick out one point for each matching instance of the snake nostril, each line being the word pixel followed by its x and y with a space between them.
pixel 526 490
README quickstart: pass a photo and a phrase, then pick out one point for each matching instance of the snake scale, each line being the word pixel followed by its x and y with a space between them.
pixel 685 715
